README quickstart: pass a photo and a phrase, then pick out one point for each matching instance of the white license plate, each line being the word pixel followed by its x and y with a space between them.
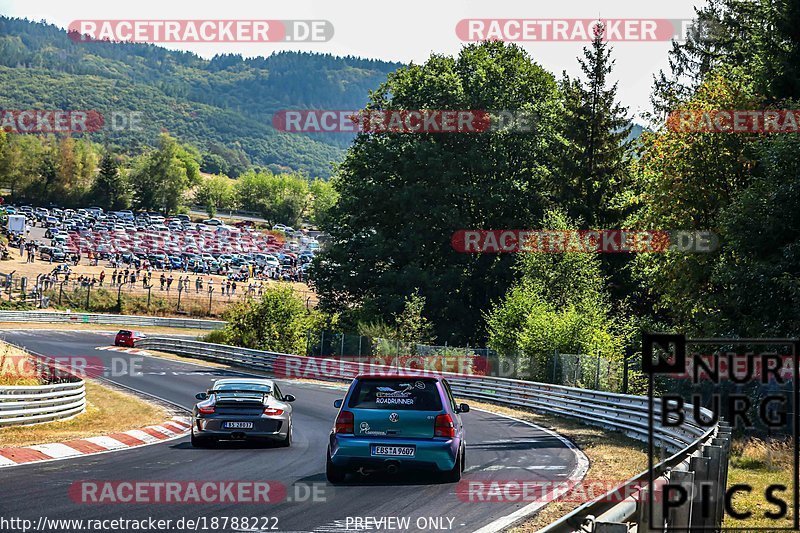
pixel 394 451
pixel 238 425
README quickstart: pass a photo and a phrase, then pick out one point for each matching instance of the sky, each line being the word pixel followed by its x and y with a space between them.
pixel 409 30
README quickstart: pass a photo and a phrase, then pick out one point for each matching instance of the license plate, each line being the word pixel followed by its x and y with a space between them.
pixel 238 425
pixel 394 451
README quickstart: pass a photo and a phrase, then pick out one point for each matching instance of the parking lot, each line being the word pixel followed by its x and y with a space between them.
pixel 135 253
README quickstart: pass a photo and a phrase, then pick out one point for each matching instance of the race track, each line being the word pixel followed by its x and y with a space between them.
pixel 498 448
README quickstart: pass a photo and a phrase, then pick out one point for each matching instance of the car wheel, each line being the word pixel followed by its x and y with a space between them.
pixel 333 473
pixel 454 475
pixel 286 442
pixel 200 442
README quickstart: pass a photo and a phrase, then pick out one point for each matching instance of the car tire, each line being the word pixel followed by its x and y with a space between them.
pixel 285 443
pixel 333 473
pixel 200 442
pixel 454 475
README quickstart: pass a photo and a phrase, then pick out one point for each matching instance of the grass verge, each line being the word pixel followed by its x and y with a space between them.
pixel 107 411
pixel 15 365
pixel 759 464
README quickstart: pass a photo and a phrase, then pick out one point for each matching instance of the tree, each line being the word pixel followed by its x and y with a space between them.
pixel 760 37
pixel 559 302
pixel 323 198
pixel 402 196
pixel 160 179
pixel 215 192
pixel 412 326
pixel 596 153
pixel 278 322
pixel 111 189
pixel 277 197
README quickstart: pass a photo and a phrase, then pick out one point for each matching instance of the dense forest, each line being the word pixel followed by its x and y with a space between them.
pixel 402 198
pixel 222 106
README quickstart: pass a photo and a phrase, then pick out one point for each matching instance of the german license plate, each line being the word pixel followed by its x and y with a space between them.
pixel 238 425
pixel 393 451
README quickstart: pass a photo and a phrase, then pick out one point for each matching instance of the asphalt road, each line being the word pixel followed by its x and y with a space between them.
pixel 498 448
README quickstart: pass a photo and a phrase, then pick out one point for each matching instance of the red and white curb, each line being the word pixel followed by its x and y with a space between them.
pixel 175 428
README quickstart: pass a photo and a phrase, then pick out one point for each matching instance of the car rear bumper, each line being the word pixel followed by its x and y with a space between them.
pixel 353 452
pixel 265 428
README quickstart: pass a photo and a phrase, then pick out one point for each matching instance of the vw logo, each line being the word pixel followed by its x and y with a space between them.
pixel 393 417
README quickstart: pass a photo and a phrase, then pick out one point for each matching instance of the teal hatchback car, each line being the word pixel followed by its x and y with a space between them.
pixel 393 423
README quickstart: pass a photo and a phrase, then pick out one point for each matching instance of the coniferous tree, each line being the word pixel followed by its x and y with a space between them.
pixel 595 159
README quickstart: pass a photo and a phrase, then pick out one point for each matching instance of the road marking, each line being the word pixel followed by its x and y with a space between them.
pixel 56 450
pixel 106 442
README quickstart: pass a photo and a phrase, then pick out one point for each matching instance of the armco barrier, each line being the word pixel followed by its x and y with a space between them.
pixel 692 455
pixel 35 404
pixel 96 318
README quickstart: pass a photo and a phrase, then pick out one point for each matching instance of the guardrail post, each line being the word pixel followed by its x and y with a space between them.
pixel 651 513
pixel 702 514
pixel 681 517
pixel 714 453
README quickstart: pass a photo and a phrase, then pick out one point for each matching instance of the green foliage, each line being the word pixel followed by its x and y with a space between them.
pixel 215 192
pixel 596 150
pixel 161 178
pixel 323 198
pixel 278 321
pixel 223 105
pixel 412 326
pixel 277 197
pixel 560 303
pixel 111 189
pixel 401 196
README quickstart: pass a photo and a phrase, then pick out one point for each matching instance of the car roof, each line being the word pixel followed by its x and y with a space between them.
pixel 396 376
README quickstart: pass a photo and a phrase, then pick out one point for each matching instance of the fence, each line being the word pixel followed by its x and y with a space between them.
pixel 574 370
pixel 91 318
pixel 79 292
pixel 697 455
pixel 63 396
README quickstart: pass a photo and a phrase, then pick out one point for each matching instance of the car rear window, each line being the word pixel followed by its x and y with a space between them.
pixel 124 333
pixel 396 394
pixel 257 389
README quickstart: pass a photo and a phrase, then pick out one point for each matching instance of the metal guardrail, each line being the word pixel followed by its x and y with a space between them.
pixel 25 405
pixel 97 318
pixel 697 455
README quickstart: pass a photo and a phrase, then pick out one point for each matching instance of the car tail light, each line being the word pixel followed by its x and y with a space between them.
pixel 206 410
pixel 345 423
pixel 444 426
pixel 273 412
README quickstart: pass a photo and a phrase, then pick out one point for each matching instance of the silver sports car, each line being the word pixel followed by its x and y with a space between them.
pixel 242 408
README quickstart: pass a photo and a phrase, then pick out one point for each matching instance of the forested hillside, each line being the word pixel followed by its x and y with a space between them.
pixel 223 106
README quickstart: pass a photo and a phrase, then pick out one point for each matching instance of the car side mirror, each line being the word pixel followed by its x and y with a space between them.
pixel 201 396
pixel 463 408
pixel 289 398
pixel 337 403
